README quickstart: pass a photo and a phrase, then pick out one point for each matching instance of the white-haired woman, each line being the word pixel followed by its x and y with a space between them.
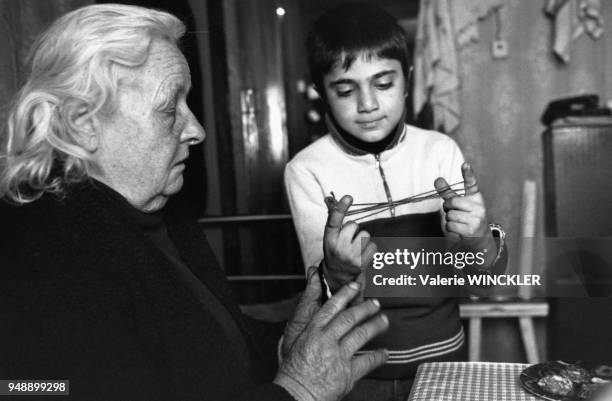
pixel 103 281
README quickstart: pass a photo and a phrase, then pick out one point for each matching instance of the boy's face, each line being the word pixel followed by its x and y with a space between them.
pixel 368 99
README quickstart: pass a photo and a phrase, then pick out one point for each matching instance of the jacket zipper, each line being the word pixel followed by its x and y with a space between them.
pixel 386 186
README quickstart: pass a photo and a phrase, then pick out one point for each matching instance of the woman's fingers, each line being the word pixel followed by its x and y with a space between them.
pixel 354 340
pixel 336 304
pixel 368 361
pixel 350 318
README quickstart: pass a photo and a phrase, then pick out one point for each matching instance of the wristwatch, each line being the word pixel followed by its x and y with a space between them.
pixel 499 234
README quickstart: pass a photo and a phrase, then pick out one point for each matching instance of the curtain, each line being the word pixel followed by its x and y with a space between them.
pixel 20 22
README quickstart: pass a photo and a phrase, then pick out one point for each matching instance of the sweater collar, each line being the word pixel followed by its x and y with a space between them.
pixel 146 221
pixel 356 147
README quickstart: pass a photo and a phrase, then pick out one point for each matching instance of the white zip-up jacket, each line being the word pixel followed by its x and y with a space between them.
pixel 420 329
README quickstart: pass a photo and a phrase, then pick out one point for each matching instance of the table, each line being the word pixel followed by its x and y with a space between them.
pixel 469 381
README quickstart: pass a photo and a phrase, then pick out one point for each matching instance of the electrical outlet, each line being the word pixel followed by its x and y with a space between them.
pixel 500 49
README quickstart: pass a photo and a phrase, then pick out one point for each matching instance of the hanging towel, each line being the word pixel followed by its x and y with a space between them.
pixel 436 77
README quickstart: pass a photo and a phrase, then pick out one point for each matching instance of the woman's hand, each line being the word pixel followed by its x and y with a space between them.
pixel 320 343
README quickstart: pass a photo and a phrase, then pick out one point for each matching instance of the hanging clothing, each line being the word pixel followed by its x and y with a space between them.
pixel 436 75
pixel 466 15
pixel 572 18
pixel 444 28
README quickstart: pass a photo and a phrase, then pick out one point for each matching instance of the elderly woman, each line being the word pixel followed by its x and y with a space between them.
pixel 106 283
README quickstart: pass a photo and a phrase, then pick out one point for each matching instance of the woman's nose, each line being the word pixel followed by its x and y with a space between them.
pixel 193 132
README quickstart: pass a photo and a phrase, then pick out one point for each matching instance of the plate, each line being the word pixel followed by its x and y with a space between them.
pixel 578 379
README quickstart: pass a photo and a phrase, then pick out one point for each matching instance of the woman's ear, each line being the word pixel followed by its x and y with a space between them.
pixel 313 92
pixel 86 128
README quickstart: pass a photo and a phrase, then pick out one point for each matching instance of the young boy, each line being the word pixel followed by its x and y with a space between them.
pixel 359 63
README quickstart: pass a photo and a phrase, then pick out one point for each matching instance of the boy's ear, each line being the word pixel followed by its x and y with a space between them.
pixel 86 128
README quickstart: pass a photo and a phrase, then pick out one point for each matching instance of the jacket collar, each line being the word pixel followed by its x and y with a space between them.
pixel 340 136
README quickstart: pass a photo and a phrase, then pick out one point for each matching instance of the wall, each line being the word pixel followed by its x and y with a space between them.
pixel 500 133
pixel 502 101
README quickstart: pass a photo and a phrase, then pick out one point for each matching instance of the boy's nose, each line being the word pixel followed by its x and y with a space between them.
pixel 367 101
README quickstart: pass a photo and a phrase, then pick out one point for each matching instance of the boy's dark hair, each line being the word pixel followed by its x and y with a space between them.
pixel 341 33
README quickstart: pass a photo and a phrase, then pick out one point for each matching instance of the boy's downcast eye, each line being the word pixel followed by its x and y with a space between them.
pixel 344 90
pixel 384 85
pixel 344 93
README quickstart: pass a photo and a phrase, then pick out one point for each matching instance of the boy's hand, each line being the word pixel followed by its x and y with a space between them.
pixel 342 246
pixel 466 216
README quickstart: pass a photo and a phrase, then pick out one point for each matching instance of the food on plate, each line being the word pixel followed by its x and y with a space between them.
pixel 604 371
pixel 562 381
pixel 556 384
pixel 576 374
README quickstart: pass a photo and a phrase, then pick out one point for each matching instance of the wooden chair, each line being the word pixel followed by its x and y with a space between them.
pixel 523 311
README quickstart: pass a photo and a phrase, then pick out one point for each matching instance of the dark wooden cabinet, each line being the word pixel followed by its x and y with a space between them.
pixel 578 204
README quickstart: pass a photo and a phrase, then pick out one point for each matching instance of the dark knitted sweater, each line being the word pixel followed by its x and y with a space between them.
pixel 86 296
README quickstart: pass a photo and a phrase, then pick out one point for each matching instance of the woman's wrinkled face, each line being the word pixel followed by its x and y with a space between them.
pixel 367 100
pixel 145 141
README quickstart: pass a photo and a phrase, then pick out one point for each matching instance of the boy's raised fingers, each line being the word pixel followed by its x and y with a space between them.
pixel 469 179
pixel 463 203
pixel 336 215
pixel 444 190
pixel 349 232
pixel 368 253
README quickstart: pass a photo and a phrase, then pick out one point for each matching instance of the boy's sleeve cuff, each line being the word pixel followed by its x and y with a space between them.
pixel 326 291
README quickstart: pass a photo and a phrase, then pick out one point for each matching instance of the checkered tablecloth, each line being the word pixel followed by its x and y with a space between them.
pixel 469 381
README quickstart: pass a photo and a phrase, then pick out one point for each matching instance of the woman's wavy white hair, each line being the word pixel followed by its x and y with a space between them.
pixel 72 68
